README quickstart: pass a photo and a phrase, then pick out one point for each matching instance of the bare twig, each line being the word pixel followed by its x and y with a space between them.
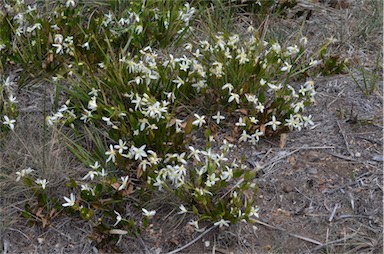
pixel 293 235
pixel 327 243
pixel 333 212
pixel 337 97
pixel 358 179
pixel 144 245
pixel 193 241
pixel 344 137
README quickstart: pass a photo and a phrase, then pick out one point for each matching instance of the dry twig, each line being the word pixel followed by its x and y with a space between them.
pixel 193 241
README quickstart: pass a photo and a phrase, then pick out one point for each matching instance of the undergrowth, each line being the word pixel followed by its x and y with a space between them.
pixel 138 89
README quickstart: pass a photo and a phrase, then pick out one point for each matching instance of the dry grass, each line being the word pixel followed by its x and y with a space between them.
pixel 27 147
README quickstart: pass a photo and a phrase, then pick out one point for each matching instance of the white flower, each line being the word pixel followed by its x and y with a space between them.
pixel 227 86
pixel 178 81
pixel 92 105
pixel 8 82
pixel 304 40
pixel 118 218
pixel 59 49
pixel 194 152
pixel 254 212
pixel 240 122
pixel 276 47
pixel 91 174
pixel 147 213
pixel 242 56
pixel 292 50
pixel 194 223
pixel 111 153
pixel 299 106
pixel 103 173
pixel 12 99
pixel 274 87
pixel 85 45
pixel 70 201
pixel 273 123
pixel 85 187
pixel 307 120
pixel 234 97
pixel 70 3
pixel 199 120
pixel 218 117
pixel 23 173
pixel 43 183
pixel 244 136
pixel 313 62
pixel 121 146
pixel 222 222
pixel 9 122
pixel 139 29
pixel 124 184
pixel 182 209
pixel 287 67
pixel 95 166
pixel 107 120
pixel 139 153
pixel 260 107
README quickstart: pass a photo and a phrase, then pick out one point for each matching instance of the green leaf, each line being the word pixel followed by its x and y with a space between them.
pixel 195 210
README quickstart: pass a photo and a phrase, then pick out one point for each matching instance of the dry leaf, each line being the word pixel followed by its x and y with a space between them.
pixel 283 140
pixel 118 232
pixel 116 185
pixel 44 221
pixel 53 213
pixel 243 111
pixel 262 128
pixel 292 160
pixel 187 126
pixel 50 39
pixel 128 191
pixel 39 212
pixel 139 172
pixel 213 127
pixel 230 139
pixel 172 122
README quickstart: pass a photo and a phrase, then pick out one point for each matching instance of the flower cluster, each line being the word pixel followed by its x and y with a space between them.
pixel 8 105
pixel 141 107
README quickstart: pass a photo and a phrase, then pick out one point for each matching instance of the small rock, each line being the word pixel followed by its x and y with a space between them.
pixel 357 155
pixel 312 171
pixel 287 188
pixel 378 158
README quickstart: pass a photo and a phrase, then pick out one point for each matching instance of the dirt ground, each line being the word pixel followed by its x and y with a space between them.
pixel 322 192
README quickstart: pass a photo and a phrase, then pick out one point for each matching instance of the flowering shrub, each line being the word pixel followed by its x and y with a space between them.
pixel 8 101
pixel 139 107
pixel 71 31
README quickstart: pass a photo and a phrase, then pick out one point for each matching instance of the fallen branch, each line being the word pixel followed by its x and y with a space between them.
pixel 345 138
pixel 193 241
pixel 293 235
pixel 326 244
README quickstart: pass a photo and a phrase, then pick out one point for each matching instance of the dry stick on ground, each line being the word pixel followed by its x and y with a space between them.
pixel 344 137
pixel 193 241
pixel 290 234
pixel 327 244
pixel 337 97
pixel 359 178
